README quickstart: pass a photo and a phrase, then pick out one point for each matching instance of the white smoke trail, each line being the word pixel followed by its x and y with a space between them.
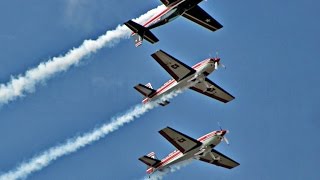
pixel 159 175
pixel 72 145
pixel 26 83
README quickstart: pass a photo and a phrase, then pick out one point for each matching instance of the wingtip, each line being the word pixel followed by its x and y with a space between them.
pixel 127 23
pixel 162 130
pixel 136 85
pixel 155 53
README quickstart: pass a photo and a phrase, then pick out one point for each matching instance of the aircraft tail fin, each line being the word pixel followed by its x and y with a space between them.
pixel 152 155
pixel 145 90
pixel 138 40
pixel 142 33
pixel 149 85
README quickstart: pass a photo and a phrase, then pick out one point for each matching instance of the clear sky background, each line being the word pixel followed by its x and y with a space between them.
pixel 271 50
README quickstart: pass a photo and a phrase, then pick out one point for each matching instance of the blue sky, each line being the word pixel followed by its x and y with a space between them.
pixel 270 49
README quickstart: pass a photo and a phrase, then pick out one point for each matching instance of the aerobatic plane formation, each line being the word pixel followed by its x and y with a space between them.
pixel 183 77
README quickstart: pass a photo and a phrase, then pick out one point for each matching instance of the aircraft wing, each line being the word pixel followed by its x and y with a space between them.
pixel 177 69
pixel 202 18
pixel 219 160
pixel 181 141
pixel 168 2
pixel 210 89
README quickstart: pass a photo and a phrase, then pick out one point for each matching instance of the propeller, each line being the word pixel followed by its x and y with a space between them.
pixel 216 65
pixel 224 138
pixel 217 61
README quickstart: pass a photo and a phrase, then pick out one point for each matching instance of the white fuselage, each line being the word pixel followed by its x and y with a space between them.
pixel 165 14
pixel 203 69
pixel 171 12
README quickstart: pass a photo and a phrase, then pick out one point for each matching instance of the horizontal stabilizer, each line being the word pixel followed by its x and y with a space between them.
pixel 144 90
pixel 152 162
pixel 142 31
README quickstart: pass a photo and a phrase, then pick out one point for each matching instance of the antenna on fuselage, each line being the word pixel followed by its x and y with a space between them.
pixel 219 126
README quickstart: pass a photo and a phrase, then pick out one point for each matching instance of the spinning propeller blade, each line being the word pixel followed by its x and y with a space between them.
pixel 224 138
pixel 216 65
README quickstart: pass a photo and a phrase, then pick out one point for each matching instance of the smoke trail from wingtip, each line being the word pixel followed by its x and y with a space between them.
pixel 74 144
pixel 19 85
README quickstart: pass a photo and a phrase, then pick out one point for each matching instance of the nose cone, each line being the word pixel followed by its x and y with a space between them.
pixel 223 132
pixel 217 59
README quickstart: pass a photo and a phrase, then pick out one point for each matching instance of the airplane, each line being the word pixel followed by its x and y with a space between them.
pixel 189 148
pixel 174 8
pixel 194 77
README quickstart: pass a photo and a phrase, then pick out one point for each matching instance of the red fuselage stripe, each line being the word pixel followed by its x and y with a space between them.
pixel 155 17
pixel 164 87
pixel 168 83
pixel 161 14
